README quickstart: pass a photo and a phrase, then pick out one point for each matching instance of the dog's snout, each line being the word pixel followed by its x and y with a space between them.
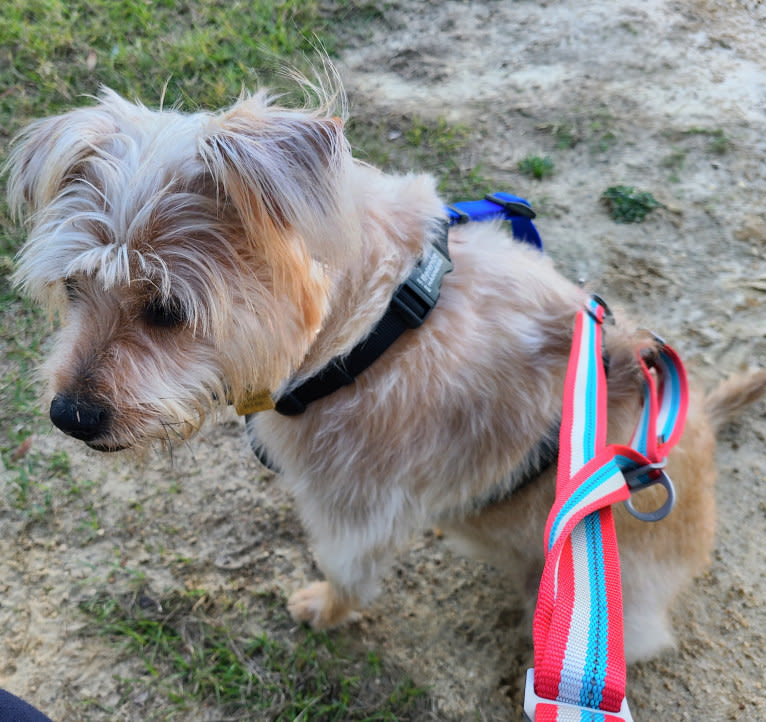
pixel 83 419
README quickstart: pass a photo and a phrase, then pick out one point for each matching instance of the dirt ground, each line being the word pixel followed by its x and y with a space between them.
pixel 667 96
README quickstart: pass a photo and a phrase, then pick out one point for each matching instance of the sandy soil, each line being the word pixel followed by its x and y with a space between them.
pixel 667 96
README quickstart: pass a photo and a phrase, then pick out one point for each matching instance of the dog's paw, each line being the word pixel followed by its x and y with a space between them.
pixel 318 606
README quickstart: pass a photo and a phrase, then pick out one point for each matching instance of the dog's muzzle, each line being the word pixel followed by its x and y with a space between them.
pixel 83 419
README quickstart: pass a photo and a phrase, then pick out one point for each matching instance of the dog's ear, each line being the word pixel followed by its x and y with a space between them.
pixel 281 169
pixel 283 172
pixel 46 155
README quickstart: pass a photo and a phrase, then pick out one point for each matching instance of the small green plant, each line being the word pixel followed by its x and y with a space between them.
pixel 719 143
pixel 626 204
pixel 439 136
pixel 674 162
pixel 537 167
pixel 602 131
pixel 566 136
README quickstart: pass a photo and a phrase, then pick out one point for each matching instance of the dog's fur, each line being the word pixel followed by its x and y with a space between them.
pixel 196 259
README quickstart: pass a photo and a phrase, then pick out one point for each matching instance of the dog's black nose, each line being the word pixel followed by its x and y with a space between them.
pixel 82 419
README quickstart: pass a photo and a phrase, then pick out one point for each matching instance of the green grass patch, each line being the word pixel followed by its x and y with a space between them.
pixel 601 131
pixel 30 474
pixel 709 141
pixel 718 142
pixel 595 127
pixel 54 51
pixel 674 162
pixel 566 135
pixel 194 662
pixel 626 204
pixel 537 167
pixel 32 478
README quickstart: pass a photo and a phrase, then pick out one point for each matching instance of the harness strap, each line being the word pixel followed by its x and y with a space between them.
pixel 409 308
pixel 579 671
pixel 512 208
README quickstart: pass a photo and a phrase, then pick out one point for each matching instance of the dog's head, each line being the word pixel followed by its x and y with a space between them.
pixel 186 255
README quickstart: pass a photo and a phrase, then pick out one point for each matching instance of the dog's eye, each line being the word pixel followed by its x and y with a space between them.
pixel 165 313
pixel 71 288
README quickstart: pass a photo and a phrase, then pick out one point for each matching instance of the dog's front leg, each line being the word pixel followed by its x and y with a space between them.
pixel 321 606
pixel 352 574
pixel 353 557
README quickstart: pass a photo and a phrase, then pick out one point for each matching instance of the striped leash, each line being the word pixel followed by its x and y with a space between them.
pixel 579 672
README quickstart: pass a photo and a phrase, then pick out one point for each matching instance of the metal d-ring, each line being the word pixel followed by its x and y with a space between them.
pixel 663 479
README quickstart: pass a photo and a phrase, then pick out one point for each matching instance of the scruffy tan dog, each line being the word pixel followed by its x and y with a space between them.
pixel 196 259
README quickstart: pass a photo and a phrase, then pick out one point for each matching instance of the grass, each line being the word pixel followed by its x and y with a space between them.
pixel 718 142
pixel 57 51
pixel 597 128
pixel 566 135
pixel 194 661
pixel 705 141
pixel 626 204
pixel 602 131
pixel 537 167
pixel 674 162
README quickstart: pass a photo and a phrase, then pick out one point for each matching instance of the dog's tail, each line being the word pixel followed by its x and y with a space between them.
pixel 723 403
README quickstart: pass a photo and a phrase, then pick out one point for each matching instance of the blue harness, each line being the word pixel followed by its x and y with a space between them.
pixel 513 209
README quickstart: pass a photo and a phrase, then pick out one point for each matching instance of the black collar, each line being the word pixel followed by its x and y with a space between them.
pixel 413 300
pixel 409 307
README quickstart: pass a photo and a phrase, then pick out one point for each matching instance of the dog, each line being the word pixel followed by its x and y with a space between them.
pixel 212 258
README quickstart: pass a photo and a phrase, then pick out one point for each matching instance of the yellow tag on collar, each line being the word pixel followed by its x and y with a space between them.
pixel 254 402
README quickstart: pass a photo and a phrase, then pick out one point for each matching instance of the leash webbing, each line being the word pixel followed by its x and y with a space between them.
pixel 579 671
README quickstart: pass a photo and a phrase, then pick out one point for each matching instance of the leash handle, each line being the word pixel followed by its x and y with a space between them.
pixel 579 671
pixel 579 656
